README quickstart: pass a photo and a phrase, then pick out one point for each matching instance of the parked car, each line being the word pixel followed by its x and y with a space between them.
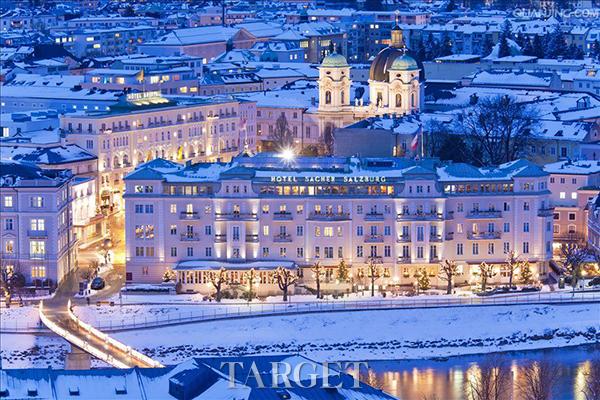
pixel 594 282
pixel 98 283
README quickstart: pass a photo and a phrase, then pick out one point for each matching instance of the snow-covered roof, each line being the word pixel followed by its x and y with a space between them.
pixel 579 167
pixel 203 265
pixel 54 155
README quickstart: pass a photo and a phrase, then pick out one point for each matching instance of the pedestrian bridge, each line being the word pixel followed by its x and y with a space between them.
pixel 91 340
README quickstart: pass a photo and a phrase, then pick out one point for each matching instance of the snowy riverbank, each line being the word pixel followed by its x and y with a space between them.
pixel 364 335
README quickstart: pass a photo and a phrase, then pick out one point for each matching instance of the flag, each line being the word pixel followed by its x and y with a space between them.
pixel 415 143
pixel 140 76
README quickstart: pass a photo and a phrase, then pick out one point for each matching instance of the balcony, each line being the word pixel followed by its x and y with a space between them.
pixel 481 214
pixel 317 216
pixel 404 260
pixel 483 235
pixel 282 238
pixel 283 216
pixel 236 216
pixel 220 238
pixel 374 239
pixel 403 239
pixel 37 233
pixel 436 238
pixel 374 216
pixel 185 215
pixel 252 239
pixel 417 216
pixel 190 237
pixel 545 212
pixel 449 236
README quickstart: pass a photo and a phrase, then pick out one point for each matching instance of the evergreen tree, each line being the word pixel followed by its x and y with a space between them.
pixel 431 47
pixel 422 280
pixel 505 35
pixel 373 5
pixel 526 276
pixel 421 51
pixel 451 6
pixel 343 272
pixel 538 47
pixel 528 49
pixel 574 52
pixel 487 47
pixel 595 50
pixel 556 45
pixel 444 47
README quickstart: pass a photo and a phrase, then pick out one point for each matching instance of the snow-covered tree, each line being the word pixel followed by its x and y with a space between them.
pixel 573 259
pixel 556 45
pixel 505 35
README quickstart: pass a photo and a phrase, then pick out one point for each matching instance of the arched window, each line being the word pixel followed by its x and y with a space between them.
pixel 412 99
pixel 398 100
pixel 328 97
pixel 342 97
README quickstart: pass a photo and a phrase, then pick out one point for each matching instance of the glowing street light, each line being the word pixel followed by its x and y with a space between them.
pixel 288 154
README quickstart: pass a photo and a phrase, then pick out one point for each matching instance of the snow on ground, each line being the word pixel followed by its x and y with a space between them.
pixel 363 335
pixel 372 335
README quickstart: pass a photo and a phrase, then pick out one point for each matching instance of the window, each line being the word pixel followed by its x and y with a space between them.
pixel 359 251
pixel 387 230
pixel 359 231
pixel 9 224
pixel 265 230
pixel 37 248
pixel 37 224
pixel 328 231
pixel 173 208
pixel 173 229
pixel 475 249
pixel 490 248
pixel 574 195
pixel 317 231
pixel 525 206
pixel 506 247
pixel 419 251
pixel 9 247
pixel 173 251
pixel 507 227
pixel 8 201
pixel 525 247
pixel 387 251
pixel 300 252
pixel 459 249
pixel 208 230
pixel 525 226
pixel 38 271
pixel 37 202
pixel 282 251
pixel 300 230
pixel 572 216
pixel 328 252
pixel 340 252
pixel 208 252
pixel 317 252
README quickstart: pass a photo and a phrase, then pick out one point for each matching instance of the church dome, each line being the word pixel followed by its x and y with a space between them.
pixel 383 62
pixel 334 60
pixel 404 63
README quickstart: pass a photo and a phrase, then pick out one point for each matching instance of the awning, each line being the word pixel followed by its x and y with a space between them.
pixel 211 265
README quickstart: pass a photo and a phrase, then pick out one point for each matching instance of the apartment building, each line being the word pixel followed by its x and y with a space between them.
pixel 144 126
pixel 37 229
pixel 258 213
pixel 573 185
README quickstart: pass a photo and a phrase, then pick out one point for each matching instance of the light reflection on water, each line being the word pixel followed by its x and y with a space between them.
pixel 446 379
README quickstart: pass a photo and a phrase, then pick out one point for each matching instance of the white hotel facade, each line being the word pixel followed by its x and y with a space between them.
pixel 260 212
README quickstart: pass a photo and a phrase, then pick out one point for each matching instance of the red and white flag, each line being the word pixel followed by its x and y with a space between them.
pixel 415 143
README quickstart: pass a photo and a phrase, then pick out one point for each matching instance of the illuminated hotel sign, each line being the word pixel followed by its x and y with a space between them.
pixel 143 95
pixel 328 179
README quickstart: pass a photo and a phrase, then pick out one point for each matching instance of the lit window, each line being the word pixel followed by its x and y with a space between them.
pixel 8 201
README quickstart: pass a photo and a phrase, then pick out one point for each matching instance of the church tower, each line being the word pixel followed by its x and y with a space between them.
pixel 334 83
pixel 404 88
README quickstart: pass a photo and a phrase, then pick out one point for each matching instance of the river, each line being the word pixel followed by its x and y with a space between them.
pixel 445 379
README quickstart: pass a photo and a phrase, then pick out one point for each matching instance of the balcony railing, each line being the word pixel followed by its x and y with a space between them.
pixel 374 239
pixel 449 236
pixel 236 216
pixel 545 212
pixel 329 216
pixel 403 239
pixel 189 215
pixel 37 233
pixel 404 260
pixel 374 216
pixel 282 216
pixel 190 237
pixel 483 214
pixel 483 235
pixel 436 238
pixel 417 216
pixel 252 239
pixel 220 238
pixel 282 237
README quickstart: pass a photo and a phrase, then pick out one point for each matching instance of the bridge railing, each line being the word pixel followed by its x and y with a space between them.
pixel 82 344
pixel 113 342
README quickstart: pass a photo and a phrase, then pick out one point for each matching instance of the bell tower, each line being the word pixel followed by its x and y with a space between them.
pixel 334 83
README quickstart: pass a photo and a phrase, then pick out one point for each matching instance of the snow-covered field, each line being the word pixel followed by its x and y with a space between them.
pixel 364 335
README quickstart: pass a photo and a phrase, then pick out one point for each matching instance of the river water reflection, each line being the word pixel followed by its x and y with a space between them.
pixel 445 380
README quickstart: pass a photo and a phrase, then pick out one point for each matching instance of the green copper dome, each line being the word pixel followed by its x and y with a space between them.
pixel 334 60
pixel 404 63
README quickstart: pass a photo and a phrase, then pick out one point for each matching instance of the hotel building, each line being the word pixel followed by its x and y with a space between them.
pixel 260 212
pixel 144 126
pixel 36 208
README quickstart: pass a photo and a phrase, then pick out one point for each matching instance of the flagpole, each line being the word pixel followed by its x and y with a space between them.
pixel 422 144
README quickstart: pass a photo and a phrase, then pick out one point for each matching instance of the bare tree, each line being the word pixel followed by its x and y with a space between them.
pixel 537 380
pixel 285 279
pixel 318 271
pixel 250 277
pixel 11 282
pixel 498 129
pixel 448 270
pixel 218 279
pixel 490 380
pixel 591 389
pixel 374 272
pixel 512 264
pixel 486 271
pixel 282 136
pixel 574 256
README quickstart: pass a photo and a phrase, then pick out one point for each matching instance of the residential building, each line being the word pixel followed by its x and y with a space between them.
pixel 36 208
pixel 258 213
